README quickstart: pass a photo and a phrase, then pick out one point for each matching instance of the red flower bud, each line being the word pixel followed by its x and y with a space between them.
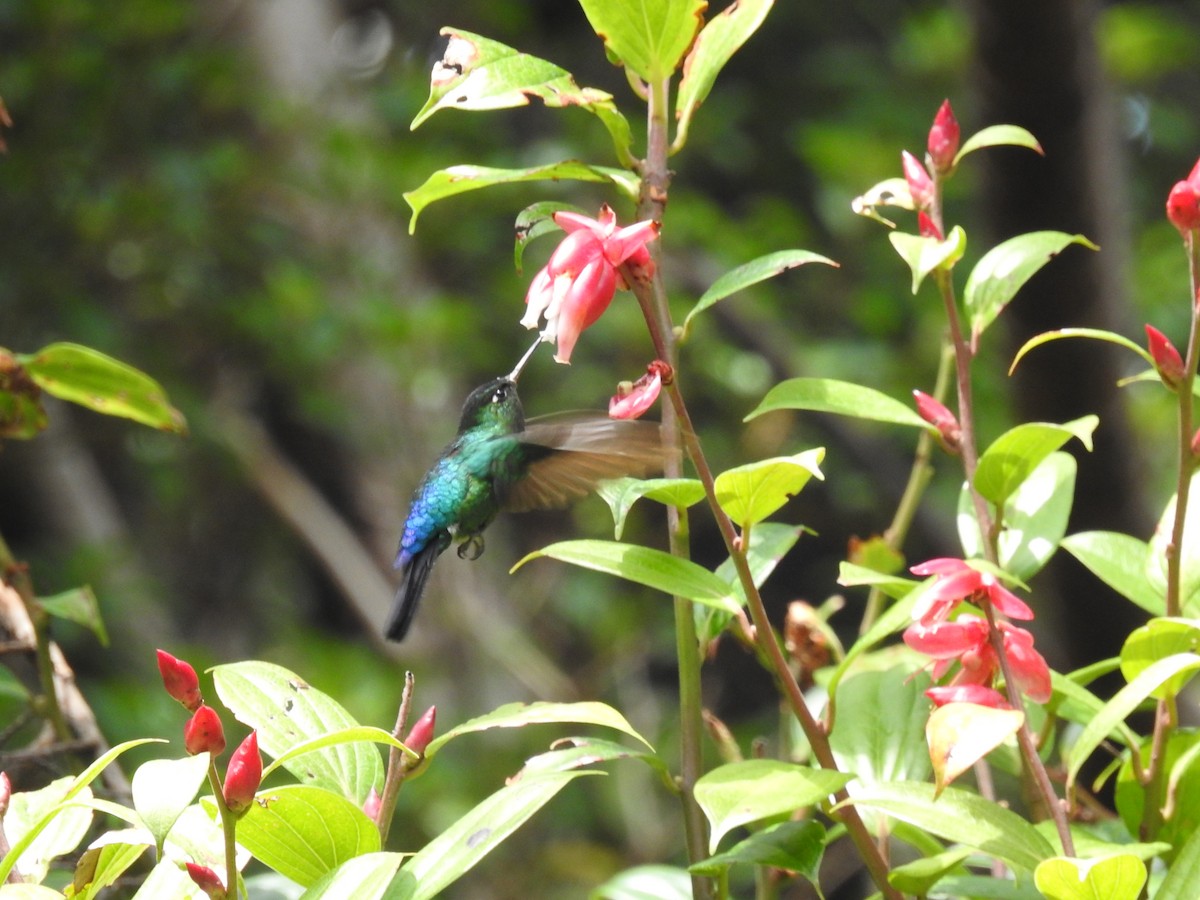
pixel 207 880
pixel 372 805
pixel 920 185
pixel 180 680
pixel 421 733
pixel 204 732
pixel 634 398
pixel 936 414
pixel 1167 360
pixel 927 227
pixel 243 774
pixel 1183 207
pixel 943 139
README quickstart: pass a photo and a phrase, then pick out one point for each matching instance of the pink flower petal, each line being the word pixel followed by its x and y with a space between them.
pixel 1006 601
pixel 639 398
pixel 626 242
pixel 943 565
pixel 978 694
pixel 575 251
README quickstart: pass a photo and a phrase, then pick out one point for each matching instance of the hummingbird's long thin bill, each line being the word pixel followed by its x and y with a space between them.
pixel 516 372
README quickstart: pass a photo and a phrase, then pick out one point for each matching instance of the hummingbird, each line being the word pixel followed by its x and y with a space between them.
pixel 500 461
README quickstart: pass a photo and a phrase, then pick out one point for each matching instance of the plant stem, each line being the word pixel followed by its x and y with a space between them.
pixel 228 827
pixel 397 766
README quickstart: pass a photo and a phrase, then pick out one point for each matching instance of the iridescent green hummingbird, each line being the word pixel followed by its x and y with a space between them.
pixel 500 461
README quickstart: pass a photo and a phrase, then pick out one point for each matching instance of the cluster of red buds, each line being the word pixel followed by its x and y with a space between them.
pixel 204 733
pixel 941 150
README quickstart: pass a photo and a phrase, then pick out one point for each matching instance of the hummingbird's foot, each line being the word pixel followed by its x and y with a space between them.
pixel 471 548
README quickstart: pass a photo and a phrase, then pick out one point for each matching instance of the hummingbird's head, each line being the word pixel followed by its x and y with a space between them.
pixel 493 405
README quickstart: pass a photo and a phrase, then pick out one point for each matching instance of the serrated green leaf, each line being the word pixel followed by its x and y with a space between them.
pixel 461 179
pixel 998 136
pixel 714 47
pixel 286 711
pixel 458 848
pixel 648 37
pixel 1118 877
pixel 646 883
pixel 519 715
pixel 1158 639
pixel 305 832
pixel 925 254
pixel 1005 268
pixel 755 789
pixel 1094 333
pixel 750 493
pixel 1189 550
pixel 1120 561
pixel 366 877
pixel 78 605
pixel 1014 455
pixel 752 273
pixel 92 379
pixel 642 565
pixel 621 493
pixel 795 846
pixel 163 788
pixel 960 816
pixel 534 221
pixel 1124 702
pixel 841 397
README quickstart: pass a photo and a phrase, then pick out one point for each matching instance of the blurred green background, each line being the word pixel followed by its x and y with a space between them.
pixel 212 192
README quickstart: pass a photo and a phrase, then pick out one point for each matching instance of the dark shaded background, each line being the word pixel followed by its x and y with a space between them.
pixel 212 192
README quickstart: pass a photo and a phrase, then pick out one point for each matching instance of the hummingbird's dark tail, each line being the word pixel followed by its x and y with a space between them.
pixel 414 574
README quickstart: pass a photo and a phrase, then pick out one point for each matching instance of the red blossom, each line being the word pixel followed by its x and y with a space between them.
pixel 920 185
pixel 634 398
pixel 207 880
pixel 576 286
pixel 943 139
pixel 936 414
pixel 243 774
pixel 959 581
pixel 1183 203
pixel 421 733
pixel 204 732
pixel 1167 361
pixel 180 680
pixel 978 694
pixel 966 641
pixel 926 227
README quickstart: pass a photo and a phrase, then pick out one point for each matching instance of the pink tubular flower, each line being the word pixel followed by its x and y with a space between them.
pixel 920 185
pixel 1167 360
pixel 243 774
pixel 634 398
pixel 207 880
pixel 967 693
pixel 936 414
pixel 180 680
pixel 1183 203
pixel 958 581
pixel 372 805
pixel 421 733
pixel 204 732
pixel 926 227
pixel 943 139
pixel 575 287
pixel 965 641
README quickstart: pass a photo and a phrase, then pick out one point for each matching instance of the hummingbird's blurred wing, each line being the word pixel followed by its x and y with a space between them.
pixel 568 453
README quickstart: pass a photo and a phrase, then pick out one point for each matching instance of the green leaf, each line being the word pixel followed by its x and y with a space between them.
pixel 577 752
pixel 750 493
pixel 998 136
pixel 925 254
pixel 769 543
pixel 894 586
pixel 643 565
pixel 883 738
pixel 1077 704
pixel 366 877
pixel 1005 268
pixel 1158 639
pixel 461 179
pixel 41 827
pixel 78 605
pixel 841 397
pixel 795 846
pixel 1184 874
pixel 305 832
pixel 962 817
pixel 714 47
pixel 751 273
pixel 648 37
pixel 534 221
pixel 1124 702
pixel 351 735
pixel 457 849
pixel 1189 551
pixel 519 715
pixel 889 192
pixel 103 384
pixel 739 793
pixel 29 892
pixel 286 711
pixel 1035 517
pixel 1120 561
pixel 1095 333
pixel 1176 756
pixel 919 876
pixel 1119 877
pixel 163 789
pixel 621 493
pixel 1014 455
pixel 646 883
pixel 895 617
pixel 99 867
pixel 477 73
